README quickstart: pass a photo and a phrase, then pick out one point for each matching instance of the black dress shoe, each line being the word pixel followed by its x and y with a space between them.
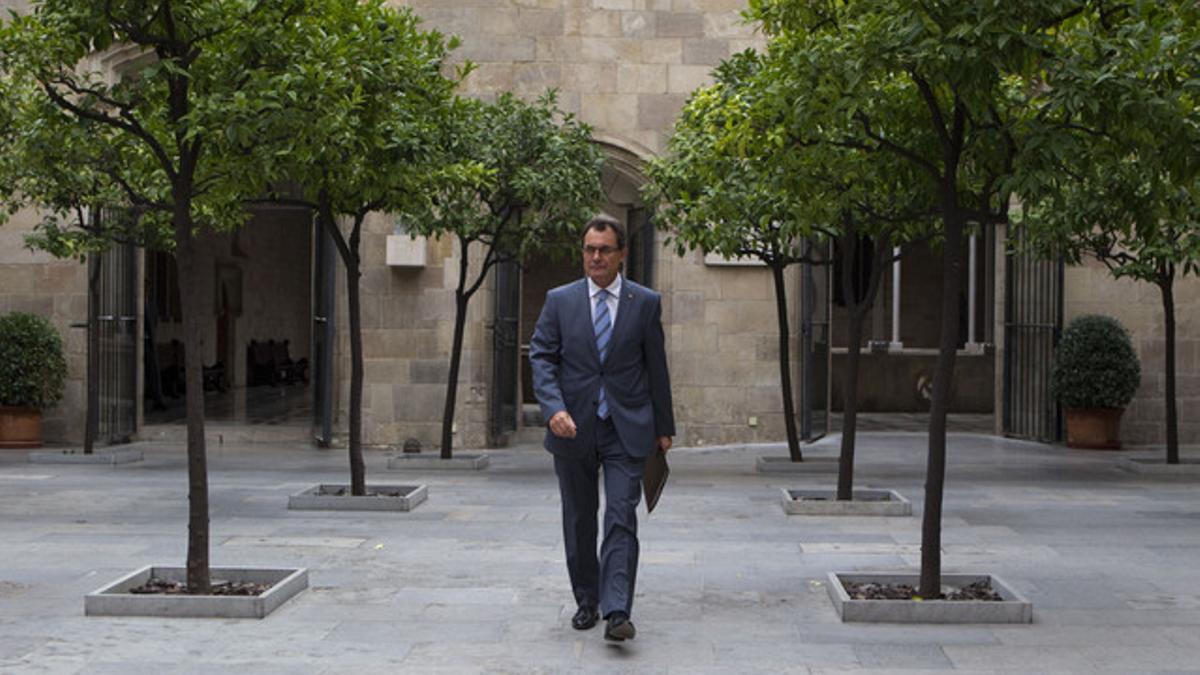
pixel 619 628
pixel 585 618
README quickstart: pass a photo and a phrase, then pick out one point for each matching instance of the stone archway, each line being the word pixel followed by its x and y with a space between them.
pixel 622 179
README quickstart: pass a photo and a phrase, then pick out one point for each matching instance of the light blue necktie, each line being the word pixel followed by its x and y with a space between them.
pixel 603 327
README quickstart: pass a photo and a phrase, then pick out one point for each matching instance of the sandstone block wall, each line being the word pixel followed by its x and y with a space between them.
pixel 723 348
pixel 38 283
pixel 408 328
pixel 1090 289
pixel 625 66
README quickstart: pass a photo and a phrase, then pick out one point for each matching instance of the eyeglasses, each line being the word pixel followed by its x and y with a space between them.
pixel 602 250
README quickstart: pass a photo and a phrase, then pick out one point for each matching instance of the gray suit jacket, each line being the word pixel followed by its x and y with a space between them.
pixel 567 371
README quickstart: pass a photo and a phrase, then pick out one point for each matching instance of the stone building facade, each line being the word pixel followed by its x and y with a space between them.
pixel 625 67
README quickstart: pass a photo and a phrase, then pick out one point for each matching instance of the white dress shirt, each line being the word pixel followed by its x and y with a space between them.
pixel 614 294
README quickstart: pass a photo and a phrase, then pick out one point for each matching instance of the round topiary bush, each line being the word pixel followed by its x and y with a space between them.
pixel 1095 365
pixel 32 367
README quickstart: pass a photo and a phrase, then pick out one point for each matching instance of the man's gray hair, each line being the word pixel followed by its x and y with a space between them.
pixel 602 222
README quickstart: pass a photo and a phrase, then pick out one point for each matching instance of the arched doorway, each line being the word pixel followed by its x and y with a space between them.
pixel 521 292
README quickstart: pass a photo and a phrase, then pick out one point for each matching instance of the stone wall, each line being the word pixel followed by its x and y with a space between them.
pixel 1090 289
pixel 625 66
pixel 37 283
pixel 723 345
pixel 408 327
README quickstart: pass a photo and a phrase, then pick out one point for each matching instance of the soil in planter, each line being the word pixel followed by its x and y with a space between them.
pixel 980 590
pixel 156 586
pixel 345 492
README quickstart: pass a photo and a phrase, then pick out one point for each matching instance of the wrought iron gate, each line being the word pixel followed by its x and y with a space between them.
pixel 116 321
pixel 323 332
pixel 505 354
pixel 1033 319
pixel 815 354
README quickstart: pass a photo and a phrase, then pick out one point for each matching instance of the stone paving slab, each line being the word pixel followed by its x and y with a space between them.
pixel 474 581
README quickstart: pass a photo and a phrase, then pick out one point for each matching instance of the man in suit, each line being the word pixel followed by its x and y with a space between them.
pixel 600 374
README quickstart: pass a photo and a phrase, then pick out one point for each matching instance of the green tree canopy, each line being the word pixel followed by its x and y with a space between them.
pixel 1111 169
pixel 174 96
pixel 937 85
pixel 742 177
pixel 538 182
pixel 368 132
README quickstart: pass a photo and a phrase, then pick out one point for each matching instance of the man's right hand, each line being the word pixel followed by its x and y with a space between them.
pixel 562 425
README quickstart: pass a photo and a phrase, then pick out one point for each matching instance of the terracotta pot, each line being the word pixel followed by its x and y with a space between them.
pixel 1094 428
pixel 20 427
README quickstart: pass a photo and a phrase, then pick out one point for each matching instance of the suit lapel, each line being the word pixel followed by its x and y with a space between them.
pixel 625 307
pixel 585 304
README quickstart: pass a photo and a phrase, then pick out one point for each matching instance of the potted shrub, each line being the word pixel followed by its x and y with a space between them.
pixel 32 371
pixel 1094 376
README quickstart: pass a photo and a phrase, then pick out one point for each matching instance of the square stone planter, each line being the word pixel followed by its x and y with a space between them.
pixel 76 456
pixel 822 465
pixel 1157 466
pixel 824 502
pixel 431 462
pixel 116 600
pixel 1014 608
pixel 386 498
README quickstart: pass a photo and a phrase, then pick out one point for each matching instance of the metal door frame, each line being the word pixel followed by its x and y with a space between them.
pixel 506 349
pixel 117 321
pixel 324 312
pixel 1033 321
pixel 814 426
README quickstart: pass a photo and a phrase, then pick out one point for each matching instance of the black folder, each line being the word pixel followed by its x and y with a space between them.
pixel 654 477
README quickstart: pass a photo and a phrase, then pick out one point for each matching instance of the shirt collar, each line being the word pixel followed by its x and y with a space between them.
pixel 614 287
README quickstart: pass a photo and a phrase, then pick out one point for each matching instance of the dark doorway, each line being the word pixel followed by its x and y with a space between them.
pixel 257 330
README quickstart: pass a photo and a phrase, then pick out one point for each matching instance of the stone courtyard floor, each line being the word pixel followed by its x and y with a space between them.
pixel 473 580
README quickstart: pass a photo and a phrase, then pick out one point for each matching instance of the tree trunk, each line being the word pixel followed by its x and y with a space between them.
pixel 188 257
pixel 935 473
pixel 358 471
pixel 845 489
pixel 348 252
pixel 785 364
pixel 857 311
pixel 849 255
pixel 1167 287
pixel 460 320
pixel 91 426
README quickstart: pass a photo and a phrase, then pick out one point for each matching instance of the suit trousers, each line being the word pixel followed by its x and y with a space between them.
pixel 606 582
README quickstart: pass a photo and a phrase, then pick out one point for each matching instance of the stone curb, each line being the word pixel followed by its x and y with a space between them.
pixel 1014 608
pixel 784 464
pixel 111 457
pixel 894 505
pixel 1157 466
pixel 114 600
pixel 434 463
pixel 312 500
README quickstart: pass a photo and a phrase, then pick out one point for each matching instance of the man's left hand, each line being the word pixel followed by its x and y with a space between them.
pixel 664 443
